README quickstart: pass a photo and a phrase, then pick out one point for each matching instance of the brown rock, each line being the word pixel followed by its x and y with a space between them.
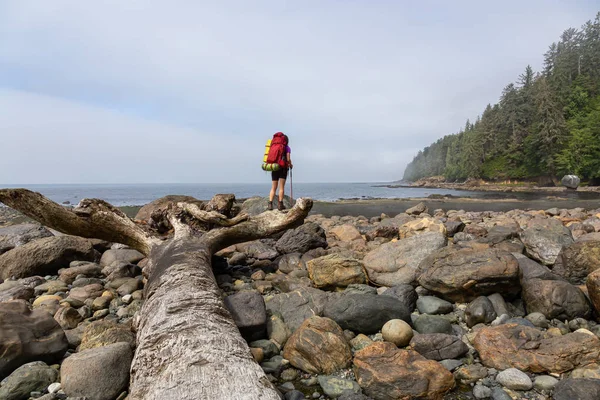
pixel 87 292
pixel 421 225
pixel 335 271
pixel 593 289
pixel 469 374
pixel 555 299
pixel 576 261
pixel 346 233
pixel 68 317
pixel 318 347
pixel 462 275
pixel 528 349
pixel 163 203
pixel 68 275
pixel 385 372
pixel 103 333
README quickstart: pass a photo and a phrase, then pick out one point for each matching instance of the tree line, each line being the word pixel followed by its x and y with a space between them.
pixel 546 124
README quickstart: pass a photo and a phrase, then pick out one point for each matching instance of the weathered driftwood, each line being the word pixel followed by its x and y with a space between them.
pixel 188 345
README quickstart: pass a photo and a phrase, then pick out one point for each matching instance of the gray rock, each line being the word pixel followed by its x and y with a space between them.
pixel 514 379
pixel 269 348
pixel 499 304
pixel 334 387
pixel 555 299
pixel 418 209
pixel 258 250
pixel 438 346
pixel 432 324
pixel 300 240
pixel 14 290
pixel 249 314
pixel 100 374
pixel 570 181
pixel 350 395
pixel 124 255
pixel 359 288
pixel 454 227
pixel 482 392
pixel 537 319
pixel 257 205
pixel 27 335
pixel 545 382
pixel 290 262
pixel 18 235
pixel 544 238
pixel 405 293
pixel 294 395
pixel 45 256
pixel 450 364
pixel 433 305
pixel 577 260
pixel 580 389
pixel 298 305
pixel 364 313
pixel 529 269
pixel 277 330
pixel 31 377
pixel 479 311
pixel 68 275
pixel 500 394
pixel 396 263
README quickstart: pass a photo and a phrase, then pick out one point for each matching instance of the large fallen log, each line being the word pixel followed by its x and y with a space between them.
pixel 188 346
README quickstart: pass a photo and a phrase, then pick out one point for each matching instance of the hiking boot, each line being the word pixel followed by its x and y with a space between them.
pixel 270 205
pixel 280 206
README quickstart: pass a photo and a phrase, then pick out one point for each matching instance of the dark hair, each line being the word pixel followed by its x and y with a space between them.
pixel 287 139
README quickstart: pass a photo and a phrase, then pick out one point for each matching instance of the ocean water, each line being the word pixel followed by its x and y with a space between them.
pixel 140 194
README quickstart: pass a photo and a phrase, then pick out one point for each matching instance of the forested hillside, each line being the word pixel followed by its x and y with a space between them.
pixel 545 124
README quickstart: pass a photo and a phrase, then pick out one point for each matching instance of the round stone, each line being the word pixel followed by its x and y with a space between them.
pixel 482 392
pixel 398 332
pixel 545 382
pixel 514 379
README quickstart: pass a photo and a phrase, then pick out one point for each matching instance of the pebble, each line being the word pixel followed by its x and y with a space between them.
pixel 398 332
pixel 545 382
pixel 127 298
pixel 55 387
pixel 514 379
pixel 482 392
pixel 500 394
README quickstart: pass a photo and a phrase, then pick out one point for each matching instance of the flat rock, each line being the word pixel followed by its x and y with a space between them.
pixel 529 349
pixel 318 346
pixel 462 275
pixel 334 387
pixel 346 233
pixel 396 263
pixel 433 305
pixel 68 275
pixel 425 323
pixel 45 256
pixel 385 372
pixel 99 374
pixel 17 291
pixel 544 238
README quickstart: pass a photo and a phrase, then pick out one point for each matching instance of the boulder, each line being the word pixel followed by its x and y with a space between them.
pixel 365 313
pixel 385 372
pixel 544 238
pixel 555 299
pixel 27 335
pixel 145 213
pixel 577 260
pixel 346 233
pixel 68 275
pixel 397 331
pixel 420 226
pixel 405 293
pixel 418 209
pixel 104 333
pixel 68 317
pixel 249 314
pixel 379 231
pixel 480 311
pixel 290 262
pixel 334 270
pixel 570 181
pixel 396 263
pixel 318 347
pixel 298 305
pixel 593 289
pixel 529 269
pixel 14 290
pixel 300 240
pixel 31 377
pixel 97 374
pixel 580 389
pixel 425 323
pixel 18 235
pixel 438 346
pixel 462 275
pixel 124 255
pixel 432 305
pixel 258 250
pixel 45 256
pixel 529 349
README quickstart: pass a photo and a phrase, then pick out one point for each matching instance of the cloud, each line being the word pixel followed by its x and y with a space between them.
pixel 192 89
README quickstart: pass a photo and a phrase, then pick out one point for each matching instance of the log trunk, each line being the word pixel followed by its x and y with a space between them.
pixel 188 346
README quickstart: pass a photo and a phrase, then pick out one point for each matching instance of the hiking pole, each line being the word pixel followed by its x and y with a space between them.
pixel 292 186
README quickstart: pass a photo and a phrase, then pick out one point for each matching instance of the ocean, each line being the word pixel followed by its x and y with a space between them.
pixel 140 194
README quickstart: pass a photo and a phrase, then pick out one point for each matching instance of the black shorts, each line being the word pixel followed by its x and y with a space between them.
pixel 281 173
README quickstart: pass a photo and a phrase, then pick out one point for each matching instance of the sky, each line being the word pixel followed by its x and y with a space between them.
pixel 148 91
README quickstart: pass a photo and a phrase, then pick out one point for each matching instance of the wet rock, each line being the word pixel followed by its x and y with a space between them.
pixel 249 314
pixel 396 263
pixel 31 377
pixel 27 335
pixel 333 271
pixel 462 275
pixel 386 372
pixel 45 256
pixel 318 346
pixel 544 238
pixel 101 373
pixel 580 389
pixel 479 311
pixel 438 346
pixel 300 240
pixel 432 305
pixel 365 313
pixel 528 349
pixel 555 299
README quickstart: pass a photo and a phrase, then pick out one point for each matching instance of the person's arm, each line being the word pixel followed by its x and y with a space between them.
pixel 289 160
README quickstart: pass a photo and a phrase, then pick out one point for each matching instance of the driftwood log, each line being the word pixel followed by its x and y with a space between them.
pixel 188 346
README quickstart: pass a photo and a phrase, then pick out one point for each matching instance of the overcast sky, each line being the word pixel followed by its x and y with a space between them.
pixel 189 91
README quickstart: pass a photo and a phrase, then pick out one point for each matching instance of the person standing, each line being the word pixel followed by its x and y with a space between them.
pixel 279 177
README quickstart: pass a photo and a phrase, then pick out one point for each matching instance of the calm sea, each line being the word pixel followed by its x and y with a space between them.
pixel 139 194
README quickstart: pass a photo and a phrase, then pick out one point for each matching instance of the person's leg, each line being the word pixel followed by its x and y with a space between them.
pixel 281 193
pixel 272 194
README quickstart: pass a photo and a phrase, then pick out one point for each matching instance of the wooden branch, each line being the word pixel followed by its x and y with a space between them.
pixel 211 217
pixel 92 218
pixel 266 224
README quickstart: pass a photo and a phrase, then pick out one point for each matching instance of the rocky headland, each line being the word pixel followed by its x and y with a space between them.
pixel 427 303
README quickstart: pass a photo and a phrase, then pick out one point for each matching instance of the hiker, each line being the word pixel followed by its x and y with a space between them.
pixel 278 177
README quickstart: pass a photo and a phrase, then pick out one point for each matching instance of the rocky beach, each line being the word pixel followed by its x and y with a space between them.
pixel 439 298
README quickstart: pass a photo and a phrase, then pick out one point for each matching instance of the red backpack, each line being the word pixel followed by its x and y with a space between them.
pixel 277 153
